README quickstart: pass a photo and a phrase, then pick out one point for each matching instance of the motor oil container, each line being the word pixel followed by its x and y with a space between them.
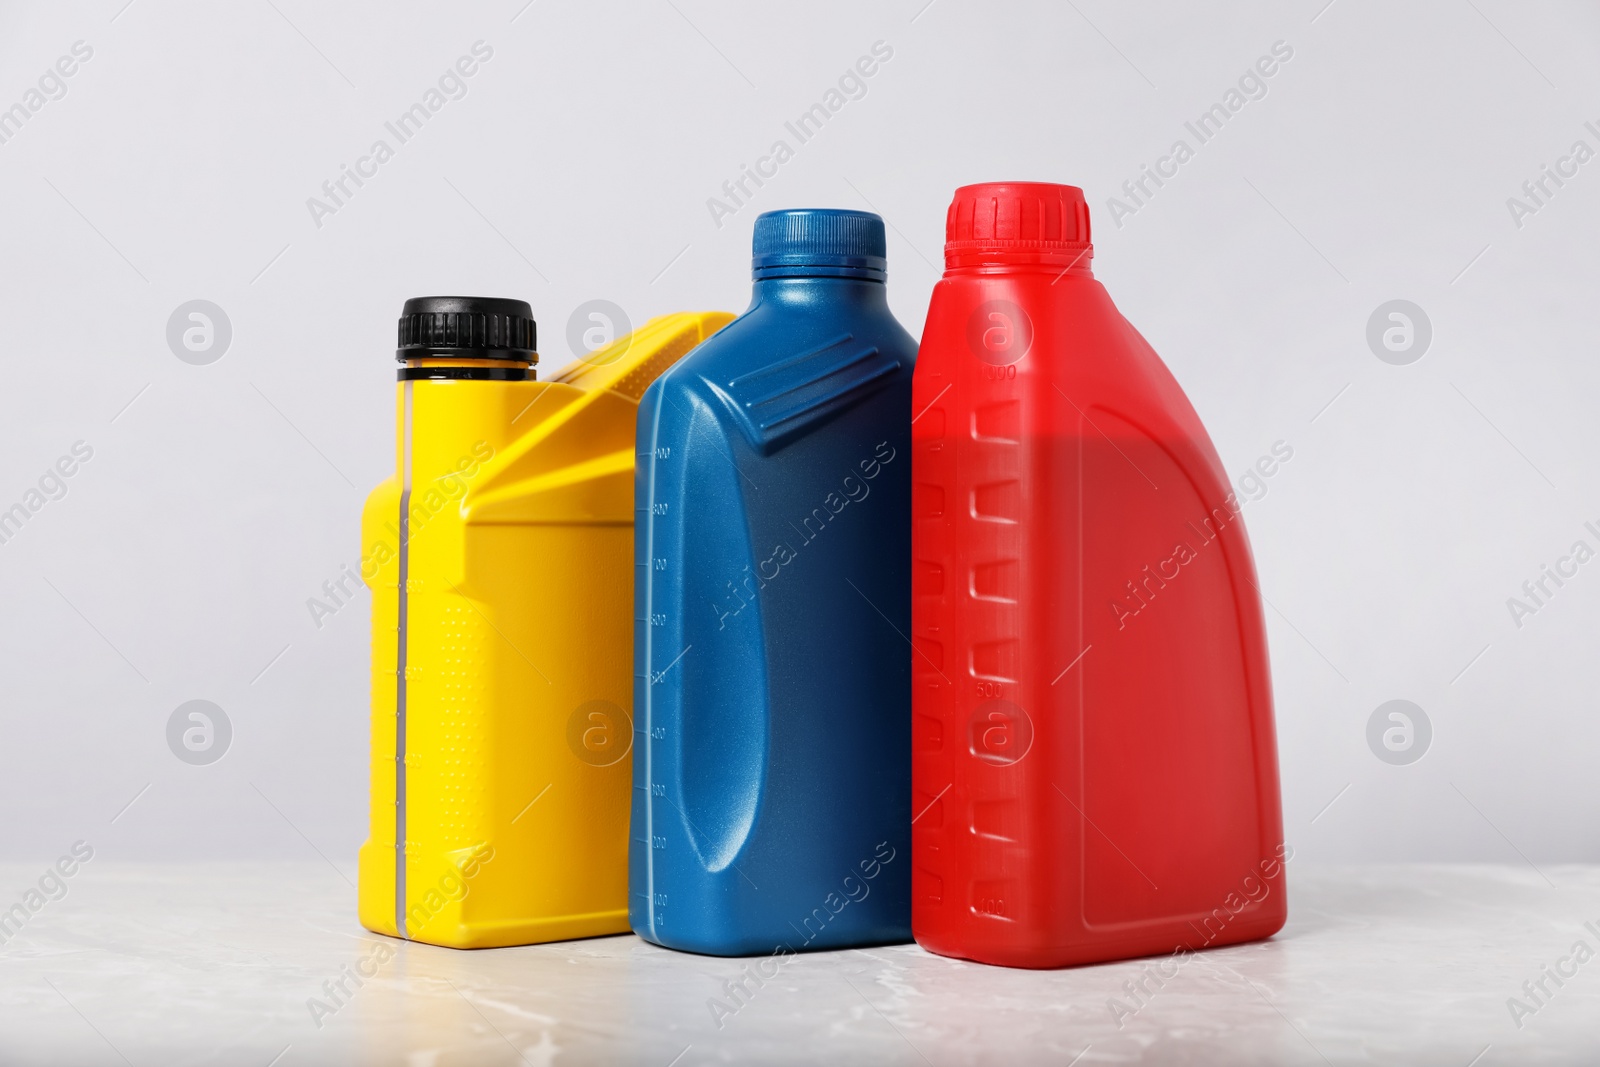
pixel 500 559
pixel 1095 768
pixel 772 687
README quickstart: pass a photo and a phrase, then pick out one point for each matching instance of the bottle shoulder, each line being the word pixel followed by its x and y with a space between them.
pixel 770 333
pixel 778 373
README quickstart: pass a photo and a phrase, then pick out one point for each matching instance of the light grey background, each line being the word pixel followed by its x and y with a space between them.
pixel 578 166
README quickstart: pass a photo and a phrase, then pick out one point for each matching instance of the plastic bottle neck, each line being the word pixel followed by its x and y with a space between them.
pixel 1076 262
pixel 807 289
pixel 461 368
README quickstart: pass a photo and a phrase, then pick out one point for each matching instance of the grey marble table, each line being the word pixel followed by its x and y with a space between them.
pixel 243 964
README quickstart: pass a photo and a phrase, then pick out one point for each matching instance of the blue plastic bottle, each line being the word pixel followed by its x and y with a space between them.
pixel 772 787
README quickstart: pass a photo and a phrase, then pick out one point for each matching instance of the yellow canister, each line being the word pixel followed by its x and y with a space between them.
pixel 500 559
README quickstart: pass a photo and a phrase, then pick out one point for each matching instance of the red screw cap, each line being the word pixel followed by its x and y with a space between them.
pixel 1017 222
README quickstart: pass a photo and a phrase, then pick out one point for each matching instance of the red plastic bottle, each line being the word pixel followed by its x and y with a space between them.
pixel 1094 764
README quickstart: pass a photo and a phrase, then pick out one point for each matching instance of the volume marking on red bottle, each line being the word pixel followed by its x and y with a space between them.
pixel 995 732
pixel 996 660
pixel 999 581
pixel 989 898
pixel 998 422
pixel 998 501
pixel 997 819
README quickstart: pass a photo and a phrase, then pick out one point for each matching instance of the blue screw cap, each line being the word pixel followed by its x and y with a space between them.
pixel 819 241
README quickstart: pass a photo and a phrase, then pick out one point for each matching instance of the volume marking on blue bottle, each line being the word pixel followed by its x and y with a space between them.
pixel 651 456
